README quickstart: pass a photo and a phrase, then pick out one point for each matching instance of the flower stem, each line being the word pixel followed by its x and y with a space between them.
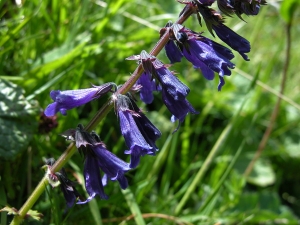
pixel 104 110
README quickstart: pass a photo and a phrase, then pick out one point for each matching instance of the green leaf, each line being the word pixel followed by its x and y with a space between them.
pixel 17 119
pixel 9 210
pixel 262 174
pixel 287 9
pixel 34 214
pixel 13 211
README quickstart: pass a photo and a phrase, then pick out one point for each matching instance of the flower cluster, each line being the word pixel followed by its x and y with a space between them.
pixel 140 135
pixel 97 158
pixel 203 53
pixel 174 92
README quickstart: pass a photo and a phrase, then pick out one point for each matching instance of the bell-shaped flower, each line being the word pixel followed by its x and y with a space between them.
pixel 97 158
pixel 172 52
pixel 67 186
pixel 109 163
pixel 235 41
pixel 250 8
pixel 65 100
pixel 148 86
pixel 92 177
pixel 164 76
pixel 148 130
pixel 170 84
pixel 204 53
pixel 139 133
pixel 214 21
pixel 179 108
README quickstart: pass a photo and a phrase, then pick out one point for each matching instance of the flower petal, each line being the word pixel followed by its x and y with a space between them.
pixel 51 109
pixel 171 83
pixel 172 52
pixel 93 181
pixel 179 108
pixel 133 138
pixel 111 165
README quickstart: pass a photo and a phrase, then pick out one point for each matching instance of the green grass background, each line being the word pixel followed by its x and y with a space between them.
pixel 49 45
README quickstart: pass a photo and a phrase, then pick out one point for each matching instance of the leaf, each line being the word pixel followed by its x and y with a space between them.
pixel 13 211
pixel 17 120
pixel 288 8
pixel 9 210
pixel 262 174
pixel 34 214
pixel 265 205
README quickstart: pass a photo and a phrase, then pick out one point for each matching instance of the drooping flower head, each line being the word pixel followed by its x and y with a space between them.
pixel 179 108
pixel 169 83
pixel 239 7
pixel 203 53
pixel 97 158
pixel 67 186
pixel 65 100
pixel 139 133
pixel 235 41
pixel 215 22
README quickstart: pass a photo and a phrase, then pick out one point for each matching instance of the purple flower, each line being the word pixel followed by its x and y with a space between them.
pixel 147 129
pixel 65 100
pixel 214 21
pixel 219 49
pixel 199 53
pixel 227 7
pixel 92 177
pixel 171 83
pixel 96 157
pixel 148 86
pixel 179 108
pixel 133 138
pixel 139 133
pixel 165 77
pixel 174 91
pixel 204 53
pixel 234 40
pixel 248 7
pixel 172 52
pixel 113 167
pixel 67 186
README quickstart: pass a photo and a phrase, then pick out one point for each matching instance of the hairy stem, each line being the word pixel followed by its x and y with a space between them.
pixel 275 112
pixel 104 110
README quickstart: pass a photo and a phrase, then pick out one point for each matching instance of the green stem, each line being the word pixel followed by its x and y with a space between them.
pixel 30 201
pixel 104 110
